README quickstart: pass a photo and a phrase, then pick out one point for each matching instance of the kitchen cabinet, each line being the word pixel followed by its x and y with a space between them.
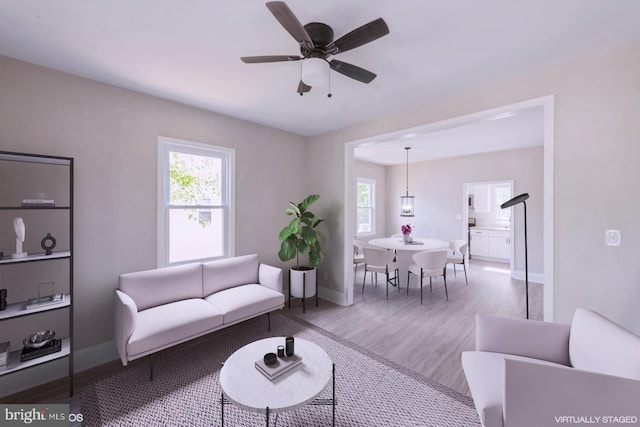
pixel 479 242
pixel 481 198
pixel 499 244
pixel 490 243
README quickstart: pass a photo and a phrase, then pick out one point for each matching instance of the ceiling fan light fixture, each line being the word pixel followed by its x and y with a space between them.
pixel 315 72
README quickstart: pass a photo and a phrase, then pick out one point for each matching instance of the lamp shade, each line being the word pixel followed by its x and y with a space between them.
pixel 406 205
pixel 315 72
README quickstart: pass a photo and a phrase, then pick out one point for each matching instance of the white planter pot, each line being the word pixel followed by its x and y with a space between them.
pixel 296 282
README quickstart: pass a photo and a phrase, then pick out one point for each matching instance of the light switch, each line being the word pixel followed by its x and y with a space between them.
pixel 612 237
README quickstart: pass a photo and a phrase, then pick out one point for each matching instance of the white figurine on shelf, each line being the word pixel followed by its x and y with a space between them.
pixel 18 227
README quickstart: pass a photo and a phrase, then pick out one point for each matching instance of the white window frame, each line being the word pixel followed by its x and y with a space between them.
pixel 372 184
pixel 166 145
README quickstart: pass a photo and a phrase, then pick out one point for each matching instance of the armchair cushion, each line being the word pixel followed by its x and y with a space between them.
pixel 485 372
pixel 529 338
pixel 599 345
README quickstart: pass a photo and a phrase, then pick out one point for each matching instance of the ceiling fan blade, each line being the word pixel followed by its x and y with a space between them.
pixel 353 71
pixel 361 35
pixel 269 58
pixel 288 20
pixel 303 88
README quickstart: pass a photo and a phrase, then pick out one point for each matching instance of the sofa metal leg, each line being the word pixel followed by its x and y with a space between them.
pixel 151 367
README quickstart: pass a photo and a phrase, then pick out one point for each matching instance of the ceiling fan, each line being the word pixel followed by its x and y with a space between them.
pixel 317 46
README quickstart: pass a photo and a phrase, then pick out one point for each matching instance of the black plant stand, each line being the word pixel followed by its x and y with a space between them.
pixel 304 289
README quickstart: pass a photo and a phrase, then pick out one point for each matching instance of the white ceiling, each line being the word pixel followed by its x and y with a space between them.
pixel 189 51
pixel 496 132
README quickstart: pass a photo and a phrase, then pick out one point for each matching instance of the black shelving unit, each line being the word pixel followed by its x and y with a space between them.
pixel 16 309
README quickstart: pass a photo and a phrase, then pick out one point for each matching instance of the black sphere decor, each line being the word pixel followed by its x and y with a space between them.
pixel 48 243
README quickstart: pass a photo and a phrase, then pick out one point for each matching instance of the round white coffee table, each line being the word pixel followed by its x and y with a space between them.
pixel 246 387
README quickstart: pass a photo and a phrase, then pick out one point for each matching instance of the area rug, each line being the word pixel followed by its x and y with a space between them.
pixel 370 390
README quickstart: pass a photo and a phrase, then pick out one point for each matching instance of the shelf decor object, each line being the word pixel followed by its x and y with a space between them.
pixel 48 308
pixel 522 199
pixel 48 243
pixel 407 201
pixel 19 228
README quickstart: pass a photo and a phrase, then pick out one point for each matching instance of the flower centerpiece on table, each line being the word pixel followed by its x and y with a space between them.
pixel 406 233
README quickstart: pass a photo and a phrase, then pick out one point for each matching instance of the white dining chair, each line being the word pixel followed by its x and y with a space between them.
pixel 457 255
pixel 380 261
pixel 429 264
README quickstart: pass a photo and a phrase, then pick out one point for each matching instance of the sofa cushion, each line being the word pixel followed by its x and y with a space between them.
pixel 485 373
pixel 243 302
pixel 169 324
pixel 597 344
pixel 163 285
pixel 227 273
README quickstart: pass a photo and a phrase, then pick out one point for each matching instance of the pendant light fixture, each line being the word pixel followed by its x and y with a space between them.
pixel 406 201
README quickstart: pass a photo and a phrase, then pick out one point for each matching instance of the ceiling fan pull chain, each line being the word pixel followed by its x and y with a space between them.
pixel 329 94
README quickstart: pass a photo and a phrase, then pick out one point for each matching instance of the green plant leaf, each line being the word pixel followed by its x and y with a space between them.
pixel 288 249
pixel 299 236
pixel 304 205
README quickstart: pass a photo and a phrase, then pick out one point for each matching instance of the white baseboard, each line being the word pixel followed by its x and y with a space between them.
pixel 332 295
pixel 533 277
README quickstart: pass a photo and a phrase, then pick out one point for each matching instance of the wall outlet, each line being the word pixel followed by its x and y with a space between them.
pixel 612 237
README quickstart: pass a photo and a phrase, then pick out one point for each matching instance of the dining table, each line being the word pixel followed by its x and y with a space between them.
pixel 404 251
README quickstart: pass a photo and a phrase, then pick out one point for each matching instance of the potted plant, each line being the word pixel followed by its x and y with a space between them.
pixel 301 237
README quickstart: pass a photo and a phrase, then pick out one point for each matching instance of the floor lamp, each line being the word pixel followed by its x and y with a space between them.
pixel 521 198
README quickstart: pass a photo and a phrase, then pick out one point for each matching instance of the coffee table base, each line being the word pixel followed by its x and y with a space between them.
pixel 316 402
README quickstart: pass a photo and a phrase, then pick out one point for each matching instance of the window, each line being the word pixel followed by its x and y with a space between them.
pixel 503 193
pixel 195 203
pixel 366 206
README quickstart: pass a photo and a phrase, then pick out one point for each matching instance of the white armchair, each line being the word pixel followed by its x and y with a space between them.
pixel 530 373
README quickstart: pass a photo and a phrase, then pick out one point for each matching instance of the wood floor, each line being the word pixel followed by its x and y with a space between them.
pixel 428 338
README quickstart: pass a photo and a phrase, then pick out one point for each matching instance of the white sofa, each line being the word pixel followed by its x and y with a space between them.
pixel 157 309
pixel 530 373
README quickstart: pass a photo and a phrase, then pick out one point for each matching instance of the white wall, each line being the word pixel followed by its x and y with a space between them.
pixel 112 133
pixel 596 159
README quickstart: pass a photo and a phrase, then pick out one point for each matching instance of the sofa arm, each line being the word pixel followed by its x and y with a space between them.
pixel 546 395
pixel 124 322
pixel 529 338
pixel 270 276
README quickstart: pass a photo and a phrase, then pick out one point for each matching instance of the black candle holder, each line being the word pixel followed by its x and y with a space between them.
pixel 289 350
